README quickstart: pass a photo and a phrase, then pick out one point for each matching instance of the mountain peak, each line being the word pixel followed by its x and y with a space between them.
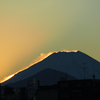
pixel 72 63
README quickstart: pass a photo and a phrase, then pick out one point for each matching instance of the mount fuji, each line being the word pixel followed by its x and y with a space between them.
pixel 75 64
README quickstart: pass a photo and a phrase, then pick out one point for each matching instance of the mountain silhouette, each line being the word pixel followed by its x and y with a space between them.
pixel 47 77
pixel 72 63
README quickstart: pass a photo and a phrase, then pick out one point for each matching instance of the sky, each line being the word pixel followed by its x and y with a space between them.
pixel 31 28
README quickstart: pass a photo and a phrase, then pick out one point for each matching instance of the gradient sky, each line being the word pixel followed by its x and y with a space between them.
pixel 31 27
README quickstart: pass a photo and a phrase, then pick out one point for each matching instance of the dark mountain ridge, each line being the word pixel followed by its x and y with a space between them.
pixel 47 77
pixel 72 63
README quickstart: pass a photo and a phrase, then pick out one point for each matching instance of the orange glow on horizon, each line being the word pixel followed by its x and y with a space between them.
pixel 38 59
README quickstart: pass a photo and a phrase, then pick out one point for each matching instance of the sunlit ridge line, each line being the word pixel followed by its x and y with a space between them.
pixel 38 59
pixel 7 78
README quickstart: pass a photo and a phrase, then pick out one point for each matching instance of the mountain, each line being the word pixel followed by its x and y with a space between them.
pixel 47 77
pixel 72 63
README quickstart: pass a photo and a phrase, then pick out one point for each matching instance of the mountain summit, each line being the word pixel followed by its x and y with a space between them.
pixel 76 64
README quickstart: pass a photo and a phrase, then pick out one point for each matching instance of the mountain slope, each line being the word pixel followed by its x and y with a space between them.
pixel 46 76
pixel 71 63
